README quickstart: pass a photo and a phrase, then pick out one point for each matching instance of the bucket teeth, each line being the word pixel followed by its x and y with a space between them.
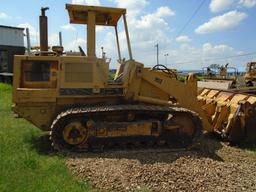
pixel 230 112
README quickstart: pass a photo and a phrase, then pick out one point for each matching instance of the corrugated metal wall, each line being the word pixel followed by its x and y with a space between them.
pixel 11 36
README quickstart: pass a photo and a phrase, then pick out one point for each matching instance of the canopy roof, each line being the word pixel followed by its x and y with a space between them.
pixel 104 15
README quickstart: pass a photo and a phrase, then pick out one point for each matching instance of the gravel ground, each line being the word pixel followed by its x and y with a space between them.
pixel 213 166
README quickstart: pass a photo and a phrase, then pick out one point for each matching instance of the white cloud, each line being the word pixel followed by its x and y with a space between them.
pixel 145 30
pixel 210 49
pixel 73 45
pixel 183 39
pixel 190 57
pixel 164 11
pixel 3 15
pixel 221 23
pixel 149 30
pixel 100 28
pixel 86 2
pixel 53 39
pixel 133 7
pixel 68 27
pixel 32 30
pixel 220 5
pixel 247 3
pixel 34 34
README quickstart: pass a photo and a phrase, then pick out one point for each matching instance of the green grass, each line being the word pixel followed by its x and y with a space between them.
pixel 183 78
pixel 26 162
pixel 111 75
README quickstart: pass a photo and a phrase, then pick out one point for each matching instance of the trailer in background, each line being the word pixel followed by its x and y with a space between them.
pixel 11 43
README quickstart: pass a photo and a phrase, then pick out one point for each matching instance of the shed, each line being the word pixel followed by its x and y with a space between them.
pixel 11 43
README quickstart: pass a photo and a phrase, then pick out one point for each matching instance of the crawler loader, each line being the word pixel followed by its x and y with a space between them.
pixel 72 98
pixel 250 75
pixel 220 77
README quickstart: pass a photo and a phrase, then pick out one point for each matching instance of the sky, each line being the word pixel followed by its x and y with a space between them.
pixel 192 33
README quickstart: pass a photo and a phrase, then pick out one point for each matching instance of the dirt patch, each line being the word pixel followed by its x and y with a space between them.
pixel 224 168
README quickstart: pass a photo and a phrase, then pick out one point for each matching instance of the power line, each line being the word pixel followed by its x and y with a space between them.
pixel 209 58
pixel 190 19
pixel 233 56
pixel 220 58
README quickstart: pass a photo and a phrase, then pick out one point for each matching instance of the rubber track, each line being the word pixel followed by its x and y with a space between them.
pixel 83 110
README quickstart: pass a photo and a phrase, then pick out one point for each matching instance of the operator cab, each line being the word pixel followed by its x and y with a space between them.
pixel 102 16
pixel 68 73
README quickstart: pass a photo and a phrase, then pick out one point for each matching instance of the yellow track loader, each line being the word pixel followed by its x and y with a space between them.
pixel 250 75
pixel 219 77
pixel 73 99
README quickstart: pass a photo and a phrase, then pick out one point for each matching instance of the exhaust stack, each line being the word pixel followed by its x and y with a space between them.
pixel 43 23
pixel 28 41
pixel 60 39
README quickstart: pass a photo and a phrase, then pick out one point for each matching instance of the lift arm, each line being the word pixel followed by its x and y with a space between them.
pixel 157 84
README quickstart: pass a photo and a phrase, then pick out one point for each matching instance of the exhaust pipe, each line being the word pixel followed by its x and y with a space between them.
pixel 60 39
pixel 43 23
pixel 28 41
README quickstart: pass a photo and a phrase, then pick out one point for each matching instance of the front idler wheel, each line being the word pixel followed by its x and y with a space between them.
pixel 74 133
pixel 68 134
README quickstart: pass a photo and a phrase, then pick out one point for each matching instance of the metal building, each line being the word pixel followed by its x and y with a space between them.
pixel 11 43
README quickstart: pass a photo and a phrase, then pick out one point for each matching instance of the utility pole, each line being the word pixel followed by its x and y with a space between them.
pixel 166 55
pixel 157 54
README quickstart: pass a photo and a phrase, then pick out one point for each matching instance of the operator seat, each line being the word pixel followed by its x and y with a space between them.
pixel 123 71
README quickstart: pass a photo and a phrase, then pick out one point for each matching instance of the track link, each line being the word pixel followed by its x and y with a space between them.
pixel 142 112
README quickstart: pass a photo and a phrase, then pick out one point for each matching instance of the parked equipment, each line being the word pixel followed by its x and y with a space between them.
pixel 71 96
pixel 218 77
pixel 250 75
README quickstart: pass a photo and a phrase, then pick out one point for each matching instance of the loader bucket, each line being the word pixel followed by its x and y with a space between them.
pixel 233 114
